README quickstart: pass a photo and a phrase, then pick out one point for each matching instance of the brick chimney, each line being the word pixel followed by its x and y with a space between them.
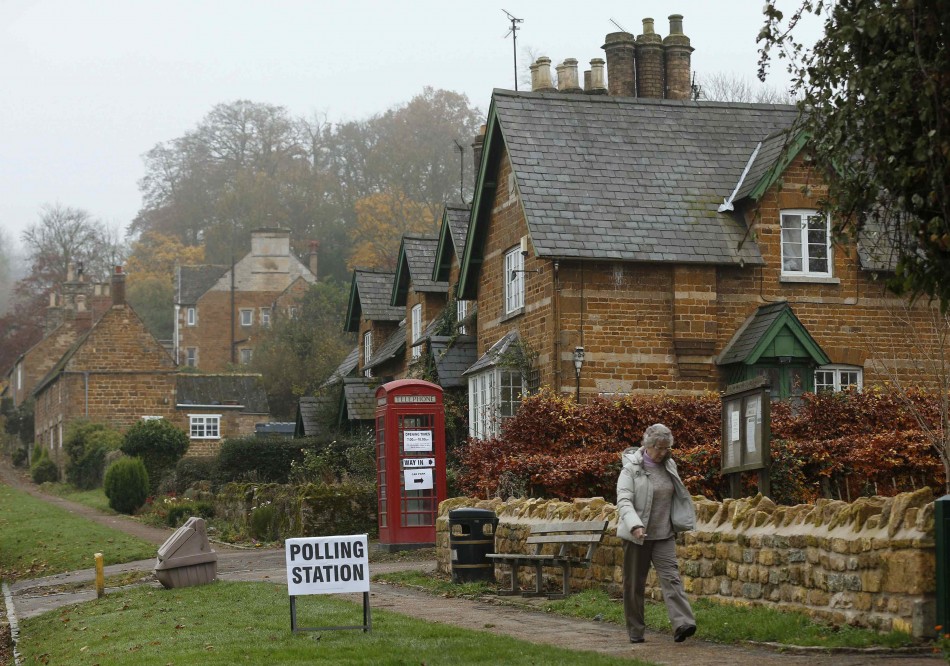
pixel 313 257
pixel 477 145
pixel 567 76
pixel 541 75
pixel 118 287
pixel 54 315
pixel 650 62
pixel 82 317
pixel 620 49
pixel 677 52
pixel 594 83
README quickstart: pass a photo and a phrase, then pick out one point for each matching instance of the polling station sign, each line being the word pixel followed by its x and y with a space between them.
pixel 327 565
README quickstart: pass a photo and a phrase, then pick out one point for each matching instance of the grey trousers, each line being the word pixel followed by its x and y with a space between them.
pixel 636 565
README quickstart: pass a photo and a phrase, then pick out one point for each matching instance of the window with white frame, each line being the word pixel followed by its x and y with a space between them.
pixel 265 317
pixel 246 356
pixel 461 314
pixel 247 317
pixel 839 378
pixel 806 243
pixel 19 376
pixel 416 332
pixel 205 426
pixel 493 396
pixel 191 357
pixel 191 316
pixel 293 311
pixel 367 347
pixel 514 280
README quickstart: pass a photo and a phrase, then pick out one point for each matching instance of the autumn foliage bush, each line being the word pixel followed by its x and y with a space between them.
pixel 834 444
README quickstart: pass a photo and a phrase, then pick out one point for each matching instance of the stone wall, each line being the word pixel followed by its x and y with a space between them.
pixel 870 563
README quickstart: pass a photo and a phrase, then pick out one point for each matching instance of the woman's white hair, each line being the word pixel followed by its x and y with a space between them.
pixel 656 433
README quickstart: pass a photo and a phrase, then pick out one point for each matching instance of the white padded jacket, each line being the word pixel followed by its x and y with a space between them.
pixel 635 497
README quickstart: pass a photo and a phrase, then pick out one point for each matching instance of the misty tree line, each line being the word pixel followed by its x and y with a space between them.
pixel 354 186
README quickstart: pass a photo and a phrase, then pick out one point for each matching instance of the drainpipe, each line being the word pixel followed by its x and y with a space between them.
pixel 557 324
pixel 85 387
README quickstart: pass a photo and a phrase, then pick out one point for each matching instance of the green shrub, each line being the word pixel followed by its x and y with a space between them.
pixel 19 456
pixel 184 510
pixel 126 484
pixel 193 468
pixel 86 446
pixel 159 444
pixel 263 522
pixel 44 469
pixel 267 459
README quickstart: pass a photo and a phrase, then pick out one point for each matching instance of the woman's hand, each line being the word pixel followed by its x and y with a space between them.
pixel 639 533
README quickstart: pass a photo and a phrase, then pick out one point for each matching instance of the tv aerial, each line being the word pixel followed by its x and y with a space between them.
pixel 514 40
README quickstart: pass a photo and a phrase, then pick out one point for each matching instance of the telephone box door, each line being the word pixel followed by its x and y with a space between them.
pixel 410 450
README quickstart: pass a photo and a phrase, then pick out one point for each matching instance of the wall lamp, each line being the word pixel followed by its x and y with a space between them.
pixel 578 364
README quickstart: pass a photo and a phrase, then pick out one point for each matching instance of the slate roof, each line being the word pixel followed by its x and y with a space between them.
pixel 420 255
pixel 344 369
pixel 490 357
pixel 760 324
pixel 360 395
pixel 191 282
pixel 451 360
pixel 768 153
pixel 307 409
pixel 457 219
pixel 631 178
pixel 244 390
pixel 370 294
pixel 394 345
pixel 451 240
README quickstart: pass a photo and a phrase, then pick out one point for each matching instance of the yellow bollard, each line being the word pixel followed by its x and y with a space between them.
pixel 100 577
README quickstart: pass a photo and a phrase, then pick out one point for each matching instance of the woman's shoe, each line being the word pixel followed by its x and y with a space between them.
pixel 637 640
pixel 684 632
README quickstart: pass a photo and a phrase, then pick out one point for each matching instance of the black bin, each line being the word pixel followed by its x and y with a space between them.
pixel 471 538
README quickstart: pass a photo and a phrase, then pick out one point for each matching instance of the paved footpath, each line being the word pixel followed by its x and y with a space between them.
pixel 491 614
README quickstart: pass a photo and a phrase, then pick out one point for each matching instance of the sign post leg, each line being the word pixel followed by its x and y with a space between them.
pixel 293 614
pixel 367 617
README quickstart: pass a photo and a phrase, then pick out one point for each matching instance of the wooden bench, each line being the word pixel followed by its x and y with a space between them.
pixel 569 538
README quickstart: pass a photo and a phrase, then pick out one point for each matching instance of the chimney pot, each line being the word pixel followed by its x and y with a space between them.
pixel 596 85
pixel 567 76
pixel 477 145
pixel 649 62
pixel 313 258
pixel 118 287
pixel 677 52
pixel 544 75
pixel 676 24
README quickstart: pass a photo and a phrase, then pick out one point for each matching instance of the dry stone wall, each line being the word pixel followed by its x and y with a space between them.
pixel 868 563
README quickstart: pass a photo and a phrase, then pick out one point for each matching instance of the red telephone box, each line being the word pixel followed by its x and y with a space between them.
pixel 410 462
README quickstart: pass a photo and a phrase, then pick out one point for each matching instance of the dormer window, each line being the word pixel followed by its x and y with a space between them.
pixel 806 243
pixel 191 316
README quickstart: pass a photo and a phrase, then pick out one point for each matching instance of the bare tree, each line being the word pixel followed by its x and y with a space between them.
pixel 731 87
pixel 65 236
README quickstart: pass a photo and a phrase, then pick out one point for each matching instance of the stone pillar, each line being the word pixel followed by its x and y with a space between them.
pixel 649 62
pixel 620 49
pixel 677 52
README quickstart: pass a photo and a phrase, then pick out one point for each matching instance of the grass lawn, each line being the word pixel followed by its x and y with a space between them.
pixel 94 498
pixel 38 539
pixel 249 623
pixel 717 622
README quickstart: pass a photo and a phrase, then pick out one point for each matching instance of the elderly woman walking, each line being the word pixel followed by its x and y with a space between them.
pixel 653 506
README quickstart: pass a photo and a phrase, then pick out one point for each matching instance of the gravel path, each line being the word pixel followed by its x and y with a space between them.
pixel 496 615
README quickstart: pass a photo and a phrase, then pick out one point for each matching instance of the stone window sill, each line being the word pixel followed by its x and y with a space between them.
pixel 809 279
pixel 512 314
